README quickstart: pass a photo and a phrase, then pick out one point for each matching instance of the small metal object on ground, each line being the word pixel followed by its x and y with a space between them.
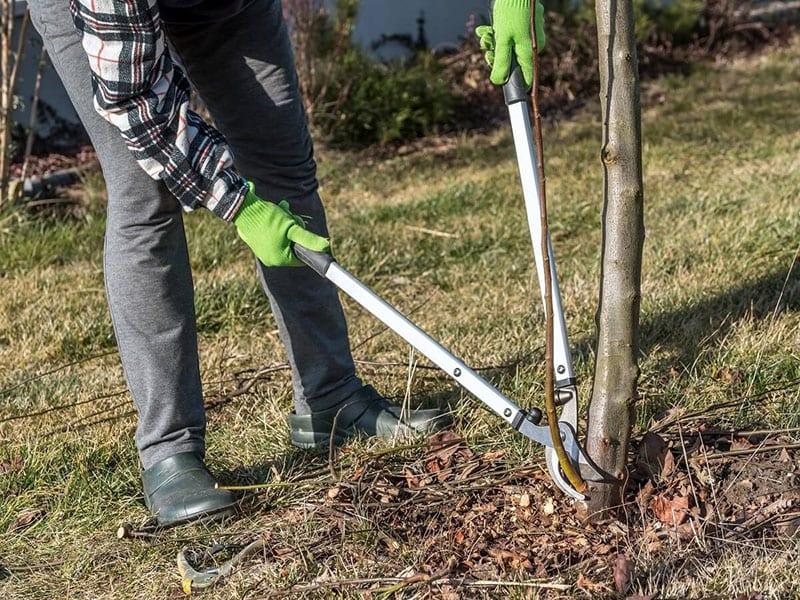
pixel 193 580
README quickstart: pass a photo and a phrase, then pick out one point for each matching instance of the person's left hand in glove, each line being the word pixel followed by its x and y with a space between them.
pixel 510 36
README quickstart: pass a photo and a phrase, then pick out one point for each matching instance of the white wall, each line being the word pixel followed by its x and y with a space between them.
pixel 445 20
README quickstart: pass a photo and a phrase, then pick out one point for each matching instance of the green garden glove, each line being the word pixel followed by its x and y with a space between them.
pixel 510 35
pixel 269 229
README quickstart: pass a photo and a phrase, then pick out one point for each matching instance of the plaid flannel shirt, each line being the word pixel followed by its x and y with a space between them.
pixel 144 94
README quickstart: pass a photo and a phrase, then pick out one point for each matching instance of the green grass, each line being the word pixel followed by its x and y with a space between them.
pixel 720 320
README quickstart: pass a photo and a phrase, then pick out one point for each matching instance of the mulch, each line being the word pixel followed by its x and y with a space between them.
pixel 474 517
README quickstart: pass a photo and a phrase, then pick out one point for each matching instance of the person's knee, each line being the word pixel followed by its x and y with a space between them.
pixel 137 202
pixel 284 166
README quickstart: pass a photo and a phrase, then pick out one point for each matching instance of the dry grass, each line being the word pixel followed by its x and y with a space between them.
pixel 721 321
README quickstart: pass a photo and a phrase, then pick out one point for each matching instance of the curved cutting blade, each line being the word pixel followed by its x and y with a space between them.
pixel 553 466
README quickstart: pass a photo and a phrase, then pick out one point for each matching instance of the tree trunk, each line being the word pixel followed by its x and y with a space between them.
pixel 9 86
pixel 6 21
pixel 614 394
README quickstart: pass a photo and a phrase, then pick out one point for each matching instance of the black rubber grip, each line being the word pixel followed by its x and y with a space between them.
pixel 516 90
pixel 532 415
pixel 319 261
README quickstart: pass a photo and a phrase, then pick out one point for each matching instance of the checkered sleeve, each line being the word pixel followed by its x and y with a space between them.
pixel 145 95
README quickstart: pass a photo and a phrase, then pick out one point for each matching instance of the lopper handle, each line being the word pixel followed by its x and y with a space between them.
pixel 319 261
pixel 515 89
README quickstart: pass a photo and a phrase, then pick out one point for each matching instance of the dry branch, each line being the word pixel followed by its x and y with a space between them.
pixel 564 461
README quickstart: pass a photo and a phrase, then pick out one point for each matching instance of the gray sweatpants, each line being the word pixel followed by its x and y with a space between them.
pixel 243 69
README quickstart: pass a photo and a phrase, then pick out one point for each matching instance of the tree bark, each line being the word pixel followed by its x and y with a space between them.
pixel 33 119
pixel 8 88
pixel 6 21
pixel 614 394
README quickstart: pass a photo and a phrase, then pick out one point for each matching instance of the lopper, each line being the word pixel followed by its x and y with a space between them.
pixel 526 421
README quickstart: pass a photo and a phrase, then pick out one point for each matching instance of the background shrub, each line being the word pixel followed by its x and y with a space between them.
pixel 363 102
pixel 353 101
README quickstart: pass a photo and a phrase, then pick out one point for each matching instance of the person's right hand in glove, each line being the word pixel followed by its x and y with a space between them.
pixel 270 229
pixel 509 36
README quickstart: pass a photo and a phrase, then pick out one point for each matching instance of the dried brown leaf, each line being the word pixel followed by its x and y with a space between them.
pixel 444 444
pixel 623 571
pixel 515 559
pixel 548 506
pixel 11 466
pixel 646 493
pixel 26 518
pixel 670 511
pixel 493 455
pixel 583 582
pixel 652 451
pixel 412 481
pixel 433 466
pixel 668 467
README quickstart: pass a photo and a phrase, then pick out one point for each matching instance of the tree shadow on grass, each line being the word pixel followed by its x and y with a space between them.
pixel 688 331
pixel 683 336
pixel 293 462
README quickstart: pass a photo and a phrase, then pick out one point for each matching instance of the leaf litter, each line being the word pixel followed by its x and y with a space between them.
pixel 465 523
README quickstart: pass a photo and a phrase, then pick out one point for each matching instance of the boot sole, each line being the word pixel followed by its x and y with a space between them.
pixel 320 446
pixel 200 518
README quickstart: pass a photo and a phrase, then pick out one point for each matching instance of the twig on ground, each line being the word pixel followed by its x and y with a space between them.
pixel 33 567
pixel 433 232
pixel 712 484
pixel 127 532
pixel 737 403
pixel 746 451
pixel 56 370
pixel 450 581
pixel 270 485
pixel 51 202
pixel 383 329
pixel 412 581
pixel 246 386
pixel 745 433
pixel 688 467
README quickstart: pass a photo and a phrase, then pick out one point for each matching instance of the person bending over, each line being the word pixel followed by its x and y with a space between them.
pixel 127 67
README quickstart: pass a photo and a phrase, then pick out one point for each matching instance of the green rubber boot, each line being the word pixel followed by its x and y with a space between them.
pixel 180 489
pixel 365 413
